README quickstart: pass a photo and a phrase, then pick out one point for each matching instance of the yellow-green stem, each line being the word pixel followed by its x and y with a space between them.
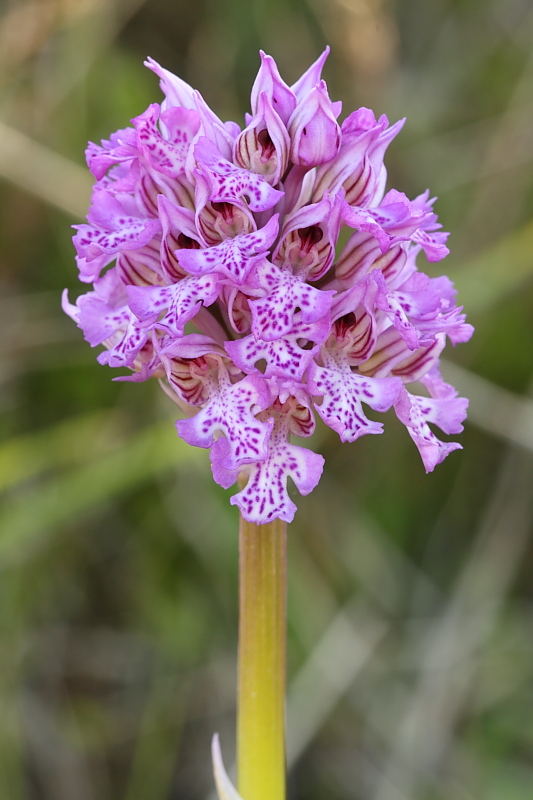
pixel 261 688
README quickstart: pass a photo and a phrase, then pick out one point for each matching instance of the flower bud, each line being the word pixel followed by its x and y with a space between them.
pixel 272 84
pixel 313 128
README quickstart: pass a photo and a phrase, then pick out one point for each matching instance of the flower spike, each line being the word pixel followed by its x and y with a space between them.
pixel 213 254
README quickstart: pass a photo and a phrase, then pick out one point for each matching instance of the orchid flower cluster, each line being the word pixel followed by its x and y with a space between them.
pixel 212 251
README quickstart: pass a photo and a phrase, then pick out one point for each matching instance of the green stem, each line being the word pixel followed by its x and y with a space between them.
pixel 261 687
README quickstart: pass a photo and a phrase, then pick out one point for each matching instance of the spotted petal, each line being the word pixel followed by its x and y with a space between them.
pixel 433 244
pixel 273 315
pixel 231 411
pixel 167 155
pixel 343 393
pixel 234 257
pixel 284 356
pixel 119 148
pixel 102 312
pixel 265 496
pixel 182 301
pixel 416 299
pixel 112 228
pixel 127 348
pixel 230 183
pixel 415 412
pixel 396 219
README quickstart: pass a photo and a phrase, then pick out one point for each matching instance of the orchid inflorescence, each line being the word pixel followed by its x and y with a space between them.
pixel 226 285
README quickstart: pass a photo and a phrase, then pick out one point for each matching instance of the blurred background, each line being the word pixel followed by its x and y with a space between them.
pixel 410 596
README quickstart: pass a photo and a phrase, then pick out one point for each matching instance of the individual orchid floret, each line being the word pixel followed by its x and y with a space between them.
pixel 181 301
pixel 166 150
pixel 395 220
pixel 308 238
pixel 270 83
pixel 313 128
pixel 216 267
pixel 179 233
pixel 343 391
pixel 358 168
pixel 416 412
pixel 105 317
pixel 231 410
pixel 265 496
pixel 120 148
pixel 287 356
pixel 178 94
pixel 233 258
pixel 113 225
pixel 188 363
pixel 216 221
pixel 263 146
pixel 286 295
pixel 230 183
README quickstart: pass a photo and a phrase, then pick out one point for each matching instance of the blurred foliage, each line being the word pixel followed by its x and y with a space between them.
pixel 410 647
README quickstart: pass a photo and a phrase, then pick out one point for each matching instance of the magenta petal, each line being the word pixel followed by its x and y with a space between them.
pixel 219 453
pixel 192 345
pixel 129 344
pixel 179 232
pixel 448 413
pixel 98 321
pixel 396 219
pixel 308 238
pixel 263 146
pixel 118 149
pixel 433 244
pixel 112 228
pixel 176 91
pixel 90 270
